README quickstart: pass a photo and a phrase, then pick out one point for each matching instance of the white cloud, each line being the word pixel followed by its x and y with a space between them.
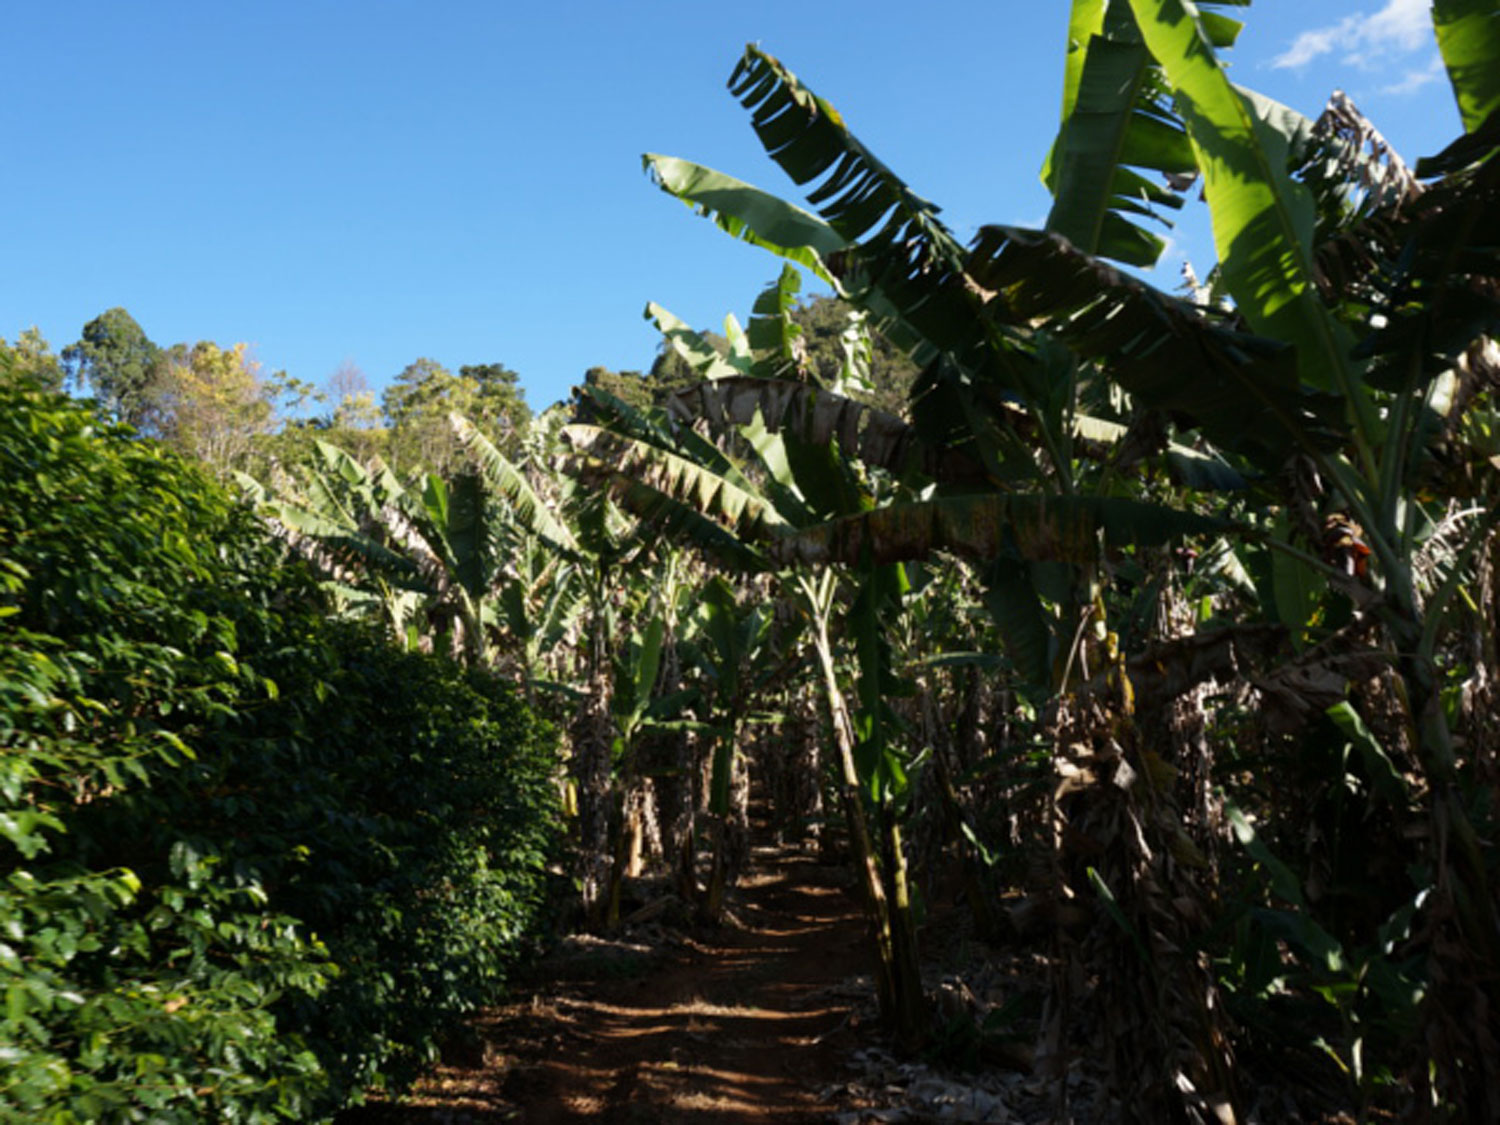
pixel 1310 44
pixel 1403 23
pixel 1402 26
pixel 1415 79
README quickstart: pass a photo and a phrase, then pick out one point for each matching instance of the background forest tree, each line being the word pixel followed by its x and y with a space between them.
pixel 417 403
pixel 116 362
pixel 31 357
pixel 821 325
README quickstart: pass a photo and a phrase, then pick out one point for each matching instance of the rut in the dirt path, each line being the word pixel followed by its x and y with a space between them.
pixel 744 1025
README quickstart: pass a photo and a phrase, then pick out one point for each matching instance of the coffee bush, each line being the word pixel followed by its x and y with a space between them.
pixel 252 861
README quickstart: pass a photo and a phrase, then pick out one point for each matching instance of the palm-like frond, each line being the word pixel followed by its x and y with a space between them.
pixel 987 527
pixel 886 250
pixel 343 552
pixel 655 426
pixel 510 482
pixel 1241 390
pixel 902 264
pixel 1118 122
pixel 631 462
pixel 818 416
pixel 857 194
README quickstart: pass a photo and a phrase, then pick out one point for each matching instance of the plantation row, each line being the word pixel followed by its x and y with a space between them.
pixel 1162 626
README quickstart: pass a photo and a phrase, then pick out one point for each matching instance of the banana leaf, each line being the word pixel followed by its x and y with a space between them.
pixel 1241 390
pixel 1263 221
pixel 1468 36
pixel 700 355
pixel 819 416
pixel 902 263
pixel 746 212
pixel 1118 122
pixel 773 336
pixel 510 482
pixel 675 497
pixel 979 527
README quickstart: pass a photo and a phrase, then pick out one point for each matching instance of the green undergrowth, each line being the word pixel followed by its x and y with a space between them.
pixel 252 860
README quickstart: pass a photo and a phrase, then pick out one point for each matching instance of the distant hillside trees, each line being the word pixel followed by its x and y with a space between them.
pixel 32 358
pixel 217 404
pixel 416 406
pixel 823 323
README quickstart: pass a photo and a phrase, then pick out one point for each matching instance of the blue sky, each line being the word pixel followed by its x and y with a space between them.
pixel 372 182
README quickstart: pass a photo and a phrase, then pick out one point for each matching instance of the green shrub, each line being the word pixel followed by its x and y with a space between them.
pixel 252 860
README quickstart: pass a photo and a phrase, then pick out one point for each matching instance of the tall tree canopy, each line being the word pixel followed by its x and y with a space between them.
pixel 211 402
pixel 417 403
pixel 116 362
pixel 31 357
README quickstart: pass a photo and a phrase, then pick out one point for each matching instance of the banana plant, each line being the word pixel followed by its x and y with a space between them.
pixel 384 542
pixel 1356 389
pixel 689 488
pixel 510 573
pixel 639 710
pixel 607 550
pixel 433 552
pixel 538 614
pixel 541 592
pixel 1354 374
pixel 329 521
pixel 731 642
pixel 1119 125
pixel 1002 417
pixel 1390 350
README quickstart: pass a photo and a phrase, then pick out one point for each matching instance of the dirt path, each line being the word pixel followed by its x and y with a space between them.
pixel 762 1021
pixel 746 1025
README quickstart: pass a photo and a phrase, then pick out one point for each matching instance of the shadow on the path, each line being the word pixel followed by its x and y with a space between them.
pixel 743 1025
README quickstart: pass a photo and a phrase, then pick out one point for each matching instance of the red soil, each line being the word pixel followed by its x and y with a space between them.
pixel 745 1025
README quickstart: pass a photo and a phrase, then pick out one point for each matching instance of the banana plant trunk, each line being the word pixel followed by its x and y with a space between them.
pixel 1464 917
pixel 898 976
pixel 681 815
pixel 628 833
pixel 676 791
pixel 592 739
pixel 729 833
pixel 971 869
pixel 801 801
